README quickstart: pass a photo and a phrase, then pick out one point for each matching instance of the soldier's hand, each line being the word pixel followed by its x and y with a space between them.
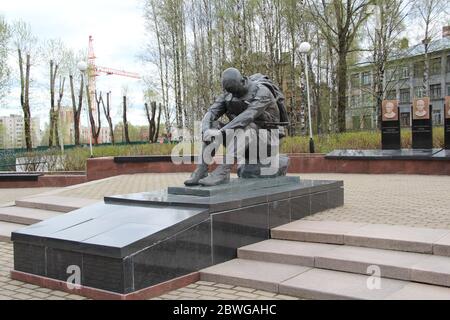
pixel 211 133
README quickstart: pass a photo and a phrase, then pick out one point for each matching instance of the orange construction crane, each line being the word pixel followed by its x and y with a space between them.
pixel 95 71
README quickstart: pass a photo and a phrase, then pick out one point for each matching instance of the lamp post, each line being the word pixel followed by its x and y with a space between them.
pixel 305 48
pixel 82 66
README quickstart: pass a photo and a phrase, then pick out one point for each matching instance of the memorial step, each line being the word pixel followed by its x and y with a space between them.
pixel 55 203
pixel 313 283
pixel 25 216
pixel 417 267
pixel 389 237
pixel 6 228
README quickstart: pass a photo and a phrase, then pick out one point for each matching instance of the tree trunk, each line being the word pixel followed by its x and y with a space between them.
pixel 342 89
pixel 125 122
pixel 76 109
pixel 26 106
pixel 107 111
pixel 158 123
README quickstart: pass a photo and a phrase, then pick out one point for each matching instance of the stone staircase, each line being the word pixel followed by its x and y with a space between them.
pixel 35 209
pixel 341 260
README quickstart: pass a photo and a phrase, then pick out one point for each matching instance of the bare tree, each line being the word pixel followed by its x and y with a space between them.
pixel 24 43
pixel 55 52
pixel 339 22
pixel 125 120
pixel 5 35
pixel 95 130
pixel 76 95
pixel 384 32
pixel 107 111
pixel 431 14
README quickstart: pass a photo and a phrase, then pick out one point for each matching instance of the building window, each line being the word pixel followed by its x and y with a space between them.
pixel 405 119
pixel 435 91
pixel 448 89
pixel 354 101
pixel 391 95
pixel 448 64
pixel 390 75
pixel 405 96
pixel 366 80
pixel 355 80
pixel 404 73
pixel 367 99
pixel 435 66
pixel 418 92
pixel 437 117
pixel 418 69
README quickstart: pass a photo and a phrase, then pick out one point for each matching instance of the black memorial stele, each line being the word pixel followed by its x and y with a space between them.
pixel 135 241
pixel 390 135
pixel 447 133
pixel 422 132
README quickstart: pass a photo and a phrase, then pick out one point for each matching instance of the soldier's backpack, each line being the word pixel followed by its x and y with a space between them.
pixel 279 97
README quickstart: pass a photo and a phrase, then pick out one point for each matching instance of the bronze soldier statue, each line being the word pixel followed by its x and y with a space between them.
pixel 251 103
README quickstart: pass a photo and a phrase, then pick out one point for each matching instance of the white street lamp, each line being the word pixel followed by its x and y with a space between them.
pixel 305 48
pixel 82 66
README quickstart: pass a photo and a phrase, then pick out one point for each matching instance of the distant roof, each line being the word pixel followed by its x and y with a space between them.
pixel 413 51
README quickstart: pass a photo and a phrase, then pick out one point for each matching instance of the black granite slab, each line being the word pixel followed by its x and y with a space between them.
pixel 447 133
pixel 136 241
pixel 110 230
pixel 422 132
pixel 227 201
pixel 20 176
pixel 403 154
pixel 235 186
pixel 151 159
pixel 442 155
pixel 390 135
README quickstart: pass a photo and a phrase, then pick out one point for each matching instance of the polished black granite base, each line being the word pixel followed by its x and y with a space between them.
pixel 402 154
pixel 18 176
pixel 135 241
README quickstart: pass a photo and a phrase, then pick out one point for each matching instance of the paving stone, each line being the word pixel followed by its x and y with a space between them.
pixel 417 291
pixel 442 246
pixel 206 288
pixel 264 293
pixel 255 274
pixel 326 284
pixel 282 251
pixel 400 238
pixel 40 295
pixel 316 231
pixel 227 291
pixel 21 296
pixel 223 286
pixel 432 270
pixel 392 264
pixel 189 295
pixel 226 296
pixel 284 297
pixel 205 283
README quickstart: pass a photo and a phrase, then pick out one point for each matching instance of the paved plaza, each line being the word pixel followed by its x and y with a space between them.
pixel 409 200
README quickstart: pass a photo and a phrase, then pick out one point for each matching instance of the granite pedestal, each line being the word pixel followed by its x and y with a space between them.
pixel 135 241
pixel 422 132
pixel 402 154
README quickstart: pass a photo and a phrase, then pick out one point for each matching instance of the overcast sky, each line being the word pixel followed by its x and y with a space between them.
pixel 119 33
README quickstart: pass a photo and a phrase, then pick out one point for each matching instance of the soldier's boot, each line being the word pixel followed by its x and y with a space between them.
pixel 199 173
pixel 219 176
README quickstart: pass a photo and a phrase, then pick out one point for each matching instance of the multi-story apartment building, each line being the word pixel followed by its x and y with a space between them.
pixel 404 82
pixel 12 131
